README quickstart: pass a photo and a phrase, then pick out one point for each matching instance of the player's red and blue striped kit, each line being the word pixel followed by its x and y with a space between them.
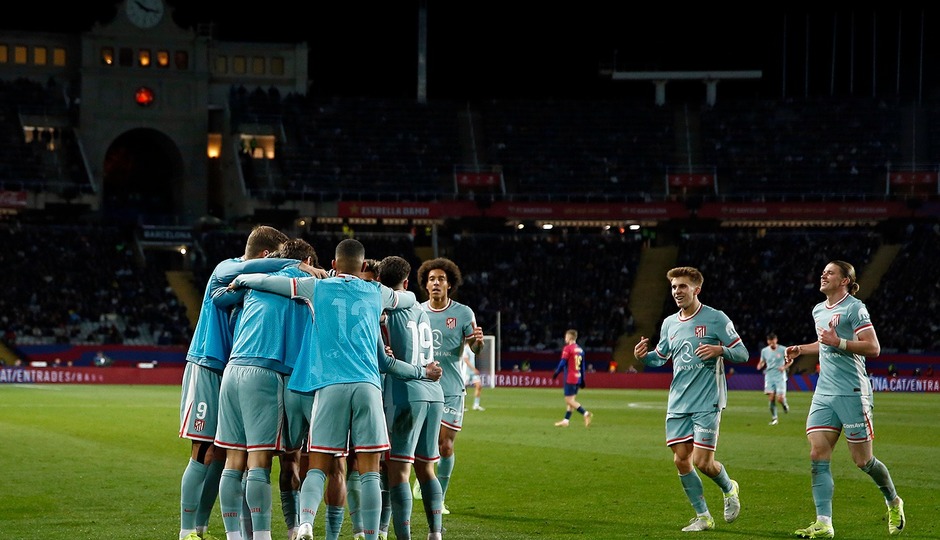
pixel 572 363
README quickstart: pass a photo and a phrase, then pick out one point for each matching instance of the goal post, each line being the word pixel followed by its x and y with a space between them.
pixel 486 362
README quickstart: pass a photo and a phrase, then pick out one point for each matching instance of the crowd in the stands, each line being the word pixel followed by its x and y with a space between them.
pixel 95 285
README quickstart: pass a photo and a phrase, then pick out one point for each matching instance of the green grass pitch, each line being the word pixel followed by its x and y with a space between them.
pixel 101 462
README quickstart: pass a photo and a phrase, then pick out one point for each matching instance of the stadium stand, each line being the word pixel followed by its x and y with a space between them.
pixel 585 150
pixel 909 292
pixel 83 284
pixel 802 147
pixel 359 149
pixel 537 285
pixel 76 278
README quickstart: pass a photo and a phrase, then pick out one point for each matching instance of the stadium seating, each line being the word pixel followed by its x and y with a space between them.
pixel 83 284
pixel 910 293
pixel 798 148
pixel 536 284
pixel 564 149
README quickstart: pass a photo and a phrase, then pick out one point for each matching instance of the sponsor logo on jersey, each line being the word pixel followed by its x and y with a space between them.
pixel 729 328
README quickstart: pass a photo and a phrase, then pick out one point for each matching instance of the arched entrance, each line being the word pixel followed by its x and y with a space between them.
pixel 143 171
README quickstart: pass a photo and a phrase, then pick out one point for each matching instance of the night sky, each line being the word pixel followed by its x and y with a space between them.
pixel 489 49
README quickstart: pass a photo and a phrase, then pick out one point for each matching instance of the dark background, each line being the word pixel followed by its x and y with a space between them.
pixel 487 49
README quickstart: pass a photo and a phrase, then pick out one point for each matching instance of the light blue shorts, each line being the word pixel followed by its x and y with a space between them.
pixel 775 386
pixel 199 403
pixel 414 432
pixel 347 412
pixel 835 414
pixel 251 409
pixel 700 428
pixel 297 408
pixel 453 412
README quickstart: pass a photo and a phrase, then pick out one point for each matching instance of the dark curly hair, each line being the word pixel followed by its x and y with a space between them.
pixel 454 277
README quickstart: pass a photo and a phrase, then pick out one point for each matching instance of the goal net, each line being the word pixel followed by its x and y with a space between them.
pixel 486 362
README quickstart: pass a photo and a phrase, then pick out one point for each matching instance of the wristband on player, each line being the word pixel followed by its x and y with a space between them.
pixel 842 344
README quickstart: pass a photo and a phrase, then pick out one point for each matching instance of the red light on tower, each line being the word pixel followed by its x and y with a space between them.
pixel 143 96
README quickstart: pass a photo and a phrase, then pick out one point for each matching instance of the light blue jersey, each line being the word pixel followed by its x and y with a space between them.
pixel 697 385
pixel 307 371
pixel 344 345
pixel 774 359
pixel 411 339
pixel 211 344
pixel 346 317
pixel 269 329
pixel 842 373
pixel 451 326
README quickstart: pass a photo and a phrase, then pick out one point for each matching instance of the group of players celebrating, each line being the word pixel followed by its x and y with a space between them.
pixel 333 372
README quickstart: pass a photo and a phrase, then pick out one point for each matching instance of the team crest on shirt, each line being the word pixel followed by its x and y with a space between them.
pixel 700 331
pixel 834 321
pixel 451 322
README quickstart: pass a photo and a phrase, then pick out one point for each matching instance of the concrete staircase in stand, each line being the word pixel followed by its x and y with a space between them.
pixel 870 279
pixel 182 284
pixel 650 289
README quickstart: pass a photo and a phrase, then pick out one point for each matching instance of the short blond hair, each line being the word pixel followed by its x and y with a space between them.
pixel 694 275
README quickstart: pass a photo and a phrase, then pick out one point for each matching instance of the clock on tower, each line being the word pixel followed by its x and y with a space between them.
pixel 145 13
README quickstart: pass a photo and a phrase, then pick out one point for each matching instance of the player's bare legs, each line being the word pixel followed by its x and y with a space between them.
pixel 477 392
